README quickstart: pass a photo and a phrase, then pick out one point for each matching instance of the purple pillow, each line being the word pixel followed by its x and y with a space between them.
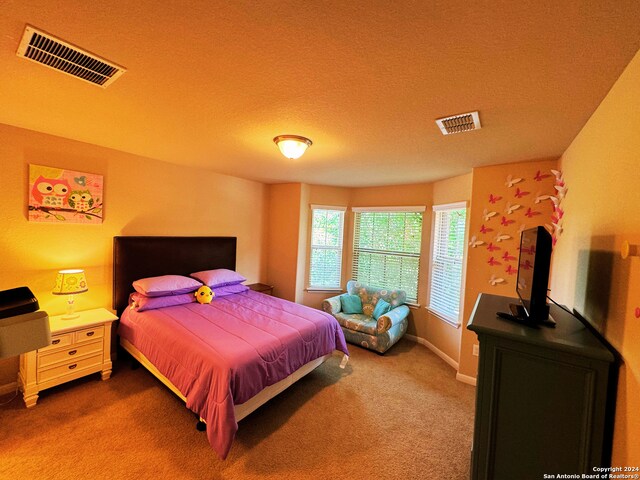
pixel 219 277
pixel 229 290
pixel 166 285
pixel 140 302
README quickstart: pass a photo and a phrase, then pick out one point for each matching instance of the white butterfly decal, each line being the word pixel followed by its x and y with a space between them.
pixel 562 191
pixel 554 199
pixel 557 227
pixel 522 228
pixel 541 198
pixel 475 242
pixel 557 174
pixel 512 208
pixel 500 237
pixel 487 214
pixel 496 280
pixel 512 181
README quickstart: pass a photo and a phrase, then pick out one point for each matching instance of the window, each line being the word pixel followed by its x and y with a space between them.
pixel 326 247
pixel 386 248
pixel 447 257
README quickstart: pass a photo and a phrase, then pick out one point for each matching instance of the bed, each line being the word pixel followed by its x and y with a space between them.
pixel 224 359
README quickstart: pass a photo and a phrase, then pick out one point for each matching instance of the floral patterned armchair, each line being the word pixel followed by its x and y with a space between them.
pixel 361 328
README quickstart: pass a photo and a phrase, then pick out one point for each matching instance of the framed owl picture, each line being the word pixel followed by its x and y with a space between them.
pixel 64 196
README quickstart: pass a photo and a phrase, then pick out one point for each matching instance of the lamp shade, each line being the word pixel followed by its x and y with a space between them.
pixel 69 282
pixel 292 146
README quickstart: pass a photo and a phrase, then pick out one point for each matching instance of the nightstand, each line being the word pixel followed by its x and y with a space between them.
pixel 262 288
pixel 79 347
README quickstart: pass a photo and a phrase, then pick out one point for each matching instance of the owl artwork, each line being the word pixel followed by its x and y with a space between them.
pixel 81 200
pixel 50 192
pixel 60 195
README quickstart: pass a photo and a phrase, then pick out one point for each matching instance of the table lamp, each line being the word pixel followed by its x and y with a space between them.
pixel 70 282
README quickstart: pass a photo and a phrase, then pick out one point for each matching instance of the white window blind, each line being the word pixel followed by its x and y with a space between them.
pixel 447 255
pixel 326 247
pixel 386 249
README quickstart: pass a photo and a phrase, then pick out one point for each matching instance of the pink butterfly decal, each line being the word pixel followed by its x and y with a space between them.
pixel 492 261
pixel 506 222
pixel 539 176
pixel 531 213
pixel 494 198
pixel 508 258
pixel 510 270
pixel 554 240
pixel 637 312
pixel 484 229
pixel 526 265
pixel 491 247
pixel 559 212
pixel 519 193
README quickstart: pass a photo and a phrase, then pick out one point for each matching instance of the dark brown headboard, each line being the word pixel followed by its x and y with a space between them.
pixel 140 257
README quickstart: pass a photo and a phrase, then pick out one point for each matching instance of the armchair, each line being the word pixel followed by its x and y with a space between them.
pixel 361 328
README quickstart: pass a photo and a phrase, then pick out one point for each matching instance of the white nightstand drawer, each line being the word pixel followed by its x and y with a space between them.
pixel 81 346
pixel 58 341
pixel 69 368
pixel 68 354
pixel 88 334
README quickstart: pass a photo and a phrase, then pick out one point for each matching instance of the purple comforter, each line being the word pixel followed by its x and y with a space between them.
pixel 222 354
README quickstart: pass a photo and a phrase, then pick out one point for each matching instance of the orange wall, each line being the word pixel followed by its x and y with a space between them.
pixel 442 335
pixel 283 238
pixel 602 208
pixel 141 196
pixel 328 196
pixel 491 181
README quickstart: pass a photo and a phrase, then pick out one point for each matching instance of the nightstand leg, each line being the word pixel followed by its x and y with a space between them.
pixel 30 397
pixel 106 371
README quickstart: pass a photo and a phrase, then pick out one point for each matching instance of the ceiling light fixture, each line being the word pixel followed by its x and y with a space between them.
pixel 292 146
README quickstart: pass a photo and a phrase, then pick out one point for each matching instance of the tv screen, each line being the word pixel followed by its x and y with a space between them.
pixel 533 273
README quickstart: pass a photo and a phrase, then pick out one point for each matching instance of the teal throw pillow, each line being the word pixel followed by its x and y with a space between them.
pixel 382 307
pixel 350 303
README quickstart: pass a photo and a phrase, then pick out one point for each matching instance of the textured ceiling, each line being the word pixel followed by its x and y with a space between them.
pixel 210 83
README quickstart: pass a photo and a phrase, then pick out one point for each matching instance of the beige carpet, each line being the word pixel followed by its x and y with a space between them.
pixel 402 415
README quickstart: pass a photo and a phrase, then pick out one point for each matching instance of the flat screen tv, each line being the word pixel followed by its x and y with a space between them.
pixel 533 275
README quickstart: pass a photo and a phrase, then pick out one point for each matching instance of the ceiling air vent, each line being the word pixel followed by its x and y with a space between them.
pixel 39 46
pixel 459 123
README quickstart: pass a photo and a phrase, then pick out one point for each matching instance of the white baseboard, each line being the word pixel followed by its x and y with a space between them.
pixel 434 349
pixel 8 388
pixel 460 377
pixel 466 379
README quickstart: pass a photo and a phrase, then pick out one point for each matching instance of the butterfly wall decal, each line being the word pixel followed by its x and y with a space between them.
pixel 487 215
pixel 508 258
pixel 484 229
pixel 510 270
pixel 494 198
pixel 502 237
pixel 511 181
pixel 493 262
pixel 531 213
pixel 541 198
pixel 491 247
pixel 506 222
pixel 496 280
pixel 519 193
pixel 474 242
pixel 512 208
pixel 539 176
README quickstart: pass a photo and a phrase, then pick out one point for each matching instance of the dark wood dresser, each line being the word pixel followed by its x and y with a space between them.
pixel 545 396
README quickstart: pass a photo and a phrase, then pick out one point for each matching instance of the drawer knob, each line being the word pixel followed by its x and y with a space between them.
pixel 73 352
pixel 71 367
pixel 55 342
pixel 90 334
